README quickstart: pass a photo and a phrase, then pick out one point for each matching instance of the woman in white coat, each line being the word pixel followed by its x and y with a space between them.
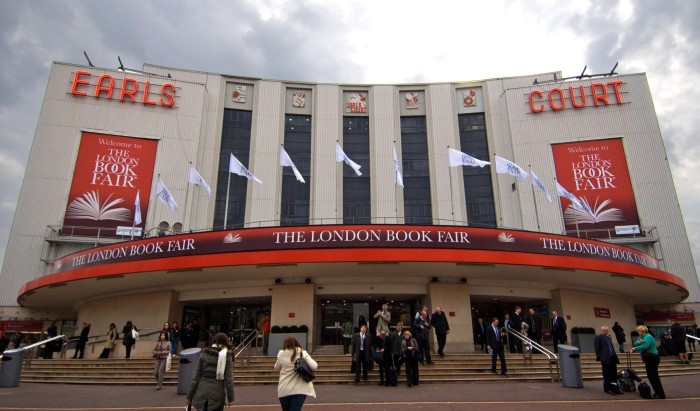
pixel 292 389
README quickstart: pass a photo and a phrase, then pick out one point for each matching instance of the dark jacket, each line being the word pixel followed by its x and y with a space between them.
pixel 421 328
pixel 205 386
pixel 604 352
pixel 534 329
pixel 492 339
pixel 677 333
pixel 439 323
pixel 619 333
pixel 559 328
pixel 516 321
pixel 366 348
pixel 128 339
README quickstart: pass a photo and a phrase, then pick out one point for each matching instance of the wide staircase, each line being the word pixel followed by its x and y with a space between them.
pixel 333 368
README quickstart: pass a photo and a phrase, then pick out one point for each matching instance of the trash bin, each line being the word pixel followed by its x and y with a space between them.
pixel 570 364
pixel 11 368
pixel 189 359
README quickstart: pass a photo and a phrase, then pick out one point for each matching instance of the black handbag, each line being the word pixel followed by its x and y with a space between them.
pixel 301 367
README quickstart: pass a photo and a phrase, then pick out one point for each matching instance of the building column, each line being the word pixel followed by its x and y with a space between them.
pixel 293 304
pixel 456 304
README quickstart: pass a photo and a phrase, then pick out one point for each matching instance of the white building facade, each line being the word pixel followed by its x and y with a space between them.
pixel 217 246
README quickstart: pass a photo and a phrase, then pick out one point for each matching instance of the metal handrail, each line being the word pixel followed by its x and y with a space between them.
pixel 28 359
pixel 692 336
pixel 244 346
pixel 551 357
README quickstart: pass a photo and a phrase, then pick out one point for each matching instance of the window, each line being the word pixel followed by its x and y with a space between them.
pixel 357 207
pixel 294 209
pixel 478 190
pixel 229 212
pixel 416 172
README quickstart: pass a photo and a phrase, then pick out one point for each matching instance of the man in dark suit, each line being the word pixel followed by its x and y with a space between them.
pixel 421 331
pixel 82 341
pixel 439 322
pixel 558 330
pixel 494 339
pixel 534 328
pixel 605 353
pixel 361 353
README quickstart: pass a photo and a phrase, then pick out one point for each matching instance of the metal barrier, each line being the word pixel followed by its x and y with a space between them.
pixel 25 355
pixel 245 347
pixel 552 358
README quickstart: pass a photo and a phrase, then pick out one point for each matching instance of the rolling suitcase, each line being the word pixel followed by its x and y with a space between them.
pixel 627 377
pixel 391 375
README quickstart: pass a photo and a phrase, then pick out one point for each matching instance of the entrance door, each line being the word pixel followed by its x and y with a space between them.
pixel 235 320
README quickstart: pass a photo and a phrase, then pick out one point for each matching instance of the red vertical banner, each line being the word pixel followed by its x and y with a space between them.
pixel 108 173
pixel 596 173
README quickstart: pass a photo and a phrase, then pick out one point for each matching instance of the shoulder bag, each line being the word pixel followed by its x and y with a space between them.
pixel 302 368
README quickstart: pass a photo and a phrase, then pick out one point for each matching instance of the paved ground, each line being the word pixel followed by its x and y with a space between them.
pixel 683 394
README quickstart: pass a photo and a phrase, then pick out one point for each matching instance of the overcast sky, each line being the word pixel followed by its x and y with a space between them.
pixel 357 42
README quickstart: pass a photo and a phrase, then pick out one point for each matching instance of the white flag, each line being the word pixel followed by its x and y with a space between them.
pixel 236 167
pixel 575 202
pixel 165 196
pixel 137 209
pixel 196 178
pixel 457 158
pixel 504 166
pixel 285 161
pixel 537 183
pixel 341 156
pixel 397 170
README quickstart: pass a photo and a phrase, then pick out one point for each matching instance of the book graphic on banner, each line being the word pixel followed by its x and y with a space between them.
pixel 592 214
pixel 90 207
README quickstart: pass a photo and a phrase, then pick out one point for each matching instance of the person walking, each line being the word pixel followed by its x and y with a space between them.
pixel 128 340
pixel 160 354
pixel 347 335
pixel 175 329
pixel 212 384
pixel 396 353
pixel 292 390
pixel 361 353
pixel 646 346
pixel 534 330
pixel 421 331
pixel 111 341
pixel 50 347
pixel 558 330
pixel 494 340
pixel 82 341
pixel 480 333
pixel 410 353
pixel 619 335
pixel 438 320
pixel 678 337
pixel 605 353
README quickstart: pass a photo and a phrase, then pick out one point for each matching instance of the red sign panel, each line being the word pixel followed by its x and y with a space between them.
pixel 354 236
pixel 596 173
pixel 21 325
pixel 665 317
pixel 601 312
pixel 108 173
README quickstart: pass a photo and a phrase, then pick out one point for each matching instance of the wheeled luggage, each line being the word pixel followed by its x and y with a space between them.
pixel 391 374
pixel 627 377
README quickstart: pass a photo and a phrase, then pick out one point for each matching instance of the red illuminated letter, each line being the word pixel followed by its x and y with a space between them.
pixel 599 97
pixel 532 101
pixel 616 87
pixel 126 92
pixel 170 99
pixel 561 98
pixel 145 99
pixel 77 80
pixel 109 89
pixel 573 97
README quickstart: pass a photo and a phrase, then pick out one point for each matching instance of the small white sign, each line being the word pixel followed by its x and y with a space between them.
pixel 626 229
pixel 122 230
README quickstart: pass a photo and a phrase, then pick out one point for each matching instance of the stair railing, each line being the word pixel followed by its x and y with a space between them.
pixel 245 347
pixel 33 349
pixel 553 359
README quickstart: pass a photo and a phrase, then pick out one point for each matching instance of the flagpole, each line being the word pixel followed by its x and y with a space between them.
pixel 498 190
pixel 563 216
pixel 534 201
pixel 449 172
pixel 133 220
pixel 187 195
pixel 338 178
pixel 228 189
pixel 155 208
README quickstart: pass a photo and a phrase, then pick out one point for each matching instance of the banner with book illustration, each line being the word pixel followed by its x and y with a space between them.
pixel 109 171
pixel 596 173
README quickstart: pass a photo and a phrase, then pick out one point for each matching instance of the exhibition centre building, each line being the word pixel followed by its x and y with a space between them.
pixel 167 194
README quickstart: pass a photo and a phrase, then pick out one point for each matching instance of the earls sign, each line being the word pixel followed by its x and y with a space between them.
pixel 557 98
pixel 127 89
